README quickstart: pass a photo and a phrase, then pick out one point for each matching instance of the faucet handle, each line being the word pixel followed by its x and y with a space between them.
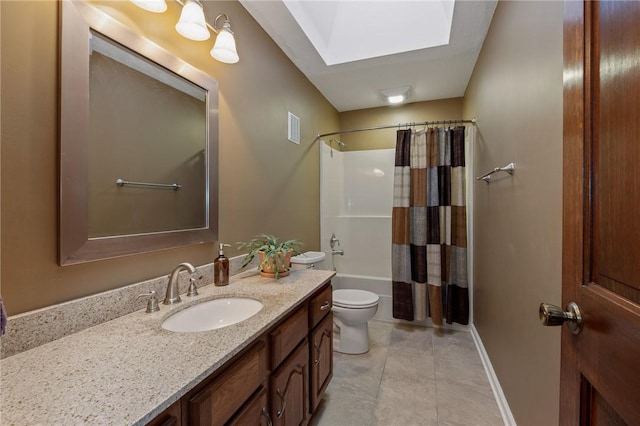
pixel 333 241
pixel 193 289
pixel 152 303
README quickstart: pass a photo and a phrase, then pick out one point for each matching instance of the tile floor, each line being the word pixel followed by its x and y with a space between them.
pixel 411 376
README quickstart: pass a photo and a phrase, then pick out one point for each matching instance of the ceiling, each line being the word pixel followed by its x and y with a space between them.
pixel 313 33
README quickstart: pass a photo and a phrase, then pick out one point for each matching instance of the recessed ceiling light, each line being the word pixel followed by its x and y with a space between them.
pixel 396 95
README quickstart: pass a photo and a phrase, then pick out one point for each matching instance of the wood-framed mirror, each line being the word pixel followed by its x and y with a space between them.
pixel 138 142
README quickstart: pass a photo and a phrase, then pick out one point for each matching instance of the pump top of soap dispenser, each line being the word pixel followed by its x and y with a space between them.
pixel 221 250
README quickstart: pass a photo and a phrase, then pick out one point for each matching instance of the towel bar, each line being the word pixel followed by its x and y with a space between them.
pixel 121 182
pixel 509 168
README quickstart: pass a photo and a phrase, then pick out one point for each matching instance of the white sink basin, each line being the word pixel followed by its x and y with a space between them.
pixel 216 313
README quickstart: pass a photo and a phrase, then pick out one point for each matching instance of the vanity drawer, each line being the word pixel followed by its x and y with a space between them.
pixel 218 401
pixel 286 337
pixel 320 306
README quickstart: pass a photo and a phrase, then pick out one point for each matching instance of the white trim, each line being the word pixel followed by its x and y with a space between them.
pixel 503 405
pixel 470 144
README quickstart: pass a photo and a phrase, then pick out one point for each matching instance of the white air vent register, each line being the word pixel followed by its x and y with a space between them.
pixel 294 129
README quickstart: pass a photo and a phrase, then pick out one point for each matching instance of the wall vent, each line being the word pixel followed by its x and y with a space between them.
pixel 294 129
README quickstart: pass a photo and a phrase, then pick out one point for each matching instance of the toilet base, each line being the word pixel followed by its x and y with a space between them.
pixel 353 339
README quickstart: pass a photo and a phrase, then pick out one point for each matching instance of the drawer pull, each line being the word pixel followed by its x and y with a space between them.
pixel 283 403
pixel 266 415
pixel 326 305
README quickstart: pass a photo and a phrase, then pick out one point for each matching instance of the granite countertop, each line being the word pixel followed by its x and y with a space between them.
pixel 128 370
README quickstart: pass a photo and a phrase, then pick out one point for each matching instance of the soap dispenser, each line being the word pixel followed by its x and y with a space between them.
pixel 221 267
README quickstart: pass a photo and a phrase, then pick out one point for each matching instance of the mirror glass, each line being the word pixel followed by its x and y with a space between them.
pixel 138 143
pixel 147 133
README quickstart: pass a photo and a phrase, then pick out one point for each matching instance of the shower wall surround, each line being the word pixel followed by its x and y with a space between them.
pixel 356 194
pixel 356 191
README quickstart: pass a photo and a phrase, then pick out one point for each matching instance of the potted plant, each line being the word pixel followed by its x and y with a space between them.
pixel 274 256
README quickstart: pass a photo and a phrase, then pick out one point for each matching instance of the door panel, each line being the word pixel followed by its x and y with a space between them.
pixel 616 145
pixel 600 370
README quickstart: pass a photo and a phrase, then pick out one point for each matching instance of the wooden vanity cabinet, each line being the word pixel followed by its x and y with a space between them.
pixel 279 380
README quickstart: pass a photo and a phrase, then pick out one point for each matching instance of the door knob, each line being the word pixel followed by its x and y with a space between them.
pixel 554 315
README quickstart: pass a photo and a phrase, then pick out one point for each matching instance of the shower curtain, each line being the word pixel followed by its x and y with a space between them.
pixel 429 220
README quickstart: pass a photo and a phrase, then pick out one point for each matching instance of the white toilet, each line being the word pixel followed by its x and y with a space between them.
pixel 307 260
pixel 352 309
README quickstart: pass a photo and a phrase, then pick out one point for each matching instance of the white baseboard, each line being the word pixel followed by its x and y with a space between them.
pixel 503 406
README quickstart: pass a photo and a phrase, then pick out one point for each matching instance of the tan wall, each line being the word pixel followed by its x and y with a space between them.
pixel 267 184
pixel 516 94
pixel 445 109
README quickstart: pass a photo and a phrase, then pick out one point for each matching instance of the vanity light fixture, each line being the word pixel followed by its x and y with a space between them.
pixel 193 25
pixel 155 6
pixel 224 49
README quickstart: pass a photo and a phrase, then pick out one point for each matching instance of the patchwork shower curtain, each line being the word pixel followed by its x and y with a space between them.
pixel 429 219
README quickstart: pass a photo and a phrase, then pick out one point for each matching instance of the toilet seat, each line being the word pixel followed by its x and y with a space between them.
pixel 355 299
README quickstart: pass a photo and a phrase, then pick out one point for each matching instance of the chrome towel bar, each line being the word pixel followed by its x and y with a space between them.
pixel 509 168
pixel 175 186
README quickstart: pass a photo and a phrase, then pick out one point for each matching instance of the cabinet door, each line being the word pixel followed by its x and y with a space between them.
pixel 256 412
pixel 321 356
pixel 290 389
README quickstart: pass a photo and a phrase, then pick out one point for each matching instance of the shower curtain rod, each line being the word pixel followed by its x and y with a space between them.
pixel 391 126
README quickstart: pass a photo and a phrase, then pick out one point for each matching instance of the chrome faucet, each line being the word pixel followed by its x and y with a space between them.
pixel 172 295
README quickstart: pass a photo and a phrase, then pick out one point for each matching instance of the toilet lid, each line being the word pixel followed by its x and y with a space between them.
pixel 355 298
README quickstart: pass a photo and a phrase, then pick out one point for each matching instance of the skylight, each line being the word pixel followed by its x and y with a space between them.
pixel 345 31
